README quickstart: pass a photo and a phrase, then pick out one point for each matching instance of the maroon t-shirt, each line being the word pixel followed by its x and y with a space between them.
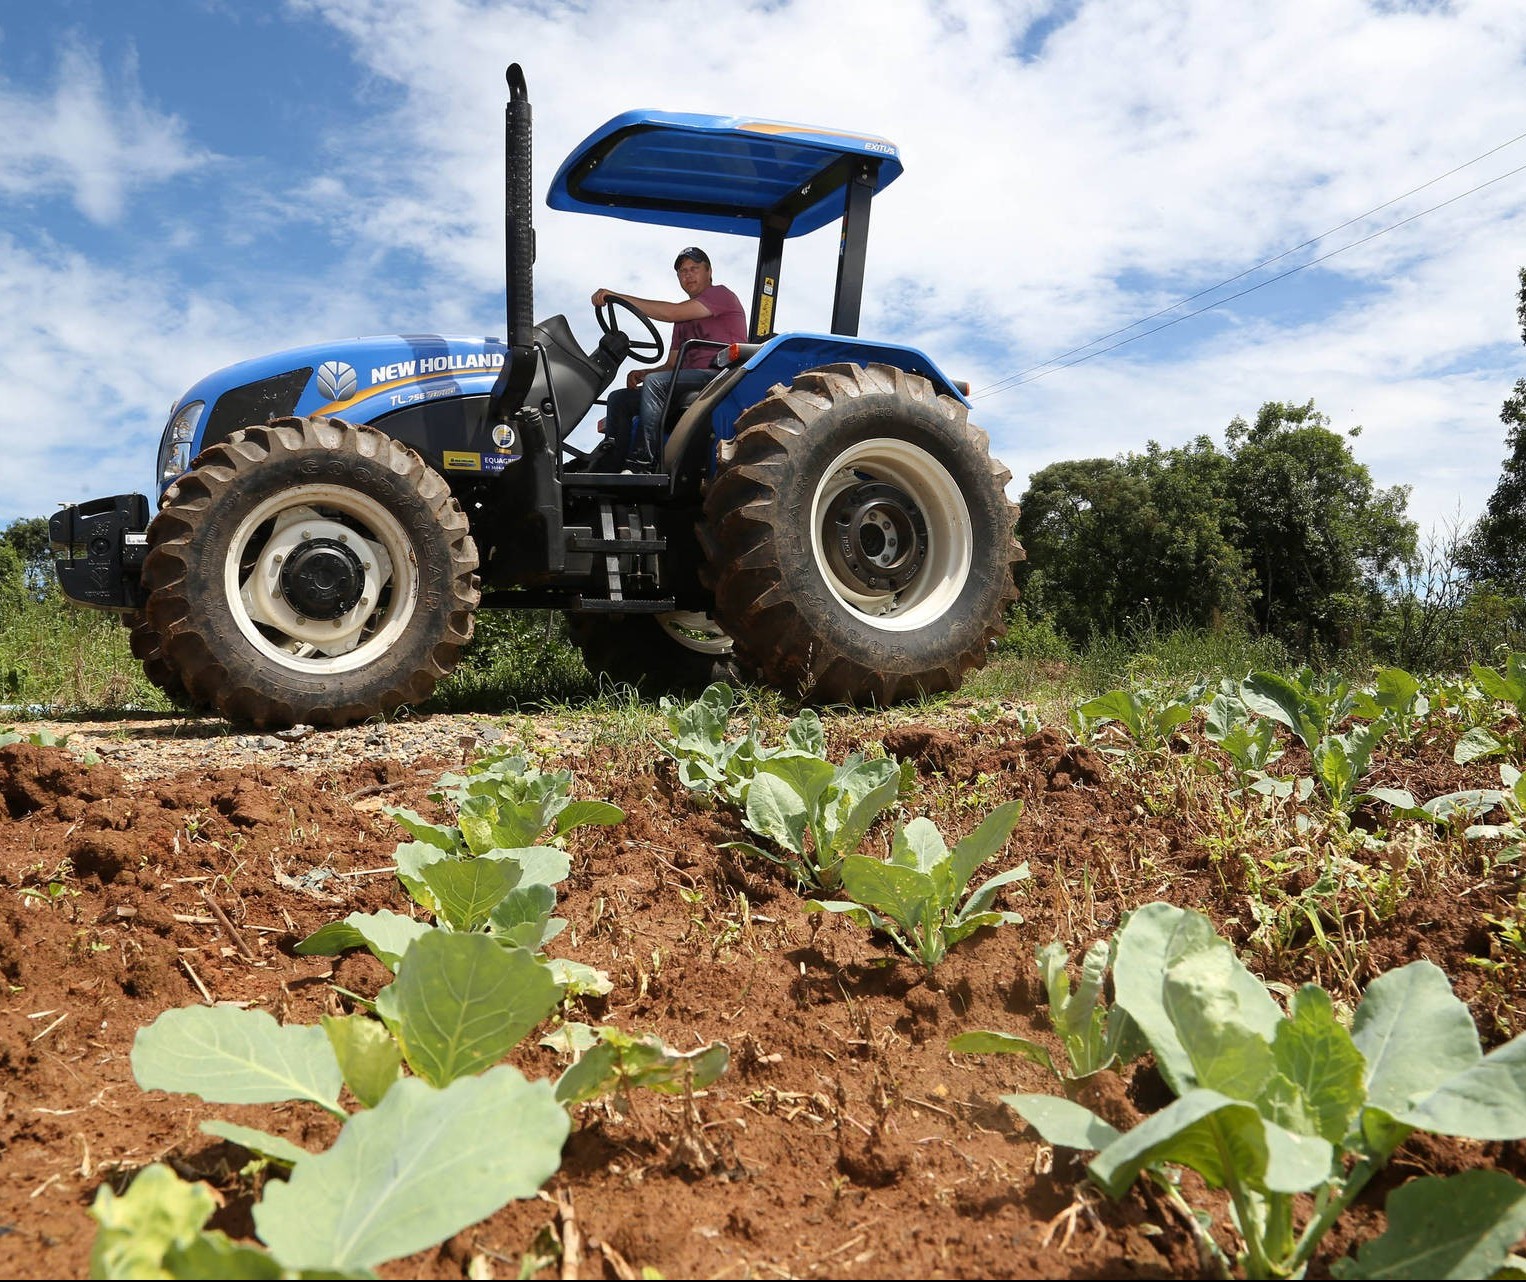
pixel 727 323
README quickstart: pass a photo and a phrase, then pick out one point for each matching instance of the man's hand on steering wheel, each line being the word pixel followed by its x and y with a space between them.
pixel 648 349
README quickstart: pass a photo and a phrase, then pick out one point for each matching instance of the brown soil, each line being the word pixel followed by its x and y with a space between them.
pixel 845 1140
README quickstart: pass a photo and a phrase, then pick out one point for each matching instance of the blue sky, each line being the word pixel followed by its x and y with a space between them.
pixel 185 183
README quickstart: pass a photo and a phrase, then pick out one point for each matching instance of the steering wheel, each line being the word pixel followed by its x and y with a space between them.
pixel 647 349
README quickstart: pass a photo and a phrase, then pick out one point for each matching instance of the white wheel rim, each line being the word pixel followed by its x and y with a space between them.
pixel 695 631
pixel 252 569
pixel 950 550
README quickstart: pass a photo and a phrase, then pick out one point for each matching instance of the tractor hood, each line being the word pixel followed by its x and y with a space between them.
pixel 358 379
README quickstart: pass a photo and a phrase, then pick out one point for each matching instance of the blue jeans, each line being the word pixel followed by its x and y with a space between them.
pixel 646 445
pixel 620 410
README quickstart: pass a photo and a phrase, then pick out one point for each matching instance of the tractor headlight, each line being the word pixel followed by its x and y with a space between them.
pixel 175 445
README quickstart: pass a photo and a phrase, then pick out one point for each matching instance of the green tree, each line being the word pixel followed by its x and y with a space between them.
pixel 27 537
pixel 12 583
pixel 1494 555
pixel 1143 537
pixel 1283 530
pixel 1320 540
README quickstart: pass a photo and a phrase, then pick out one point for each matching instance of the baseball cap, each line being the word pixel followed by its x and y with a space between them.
pixel 695 253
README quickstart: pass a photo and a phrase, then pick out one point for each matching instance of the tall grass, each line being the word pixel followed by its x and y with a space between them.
pixel 63 658
pixel 76 661
pixel 1035 663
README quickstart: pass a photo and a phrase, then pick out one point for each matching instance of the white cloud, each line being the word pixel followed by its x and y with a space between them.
pixel 87 139
pixel 1054 191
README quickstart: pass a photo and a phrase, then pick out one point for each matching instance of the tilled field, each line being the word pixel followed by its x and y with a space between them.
pixel 845 1140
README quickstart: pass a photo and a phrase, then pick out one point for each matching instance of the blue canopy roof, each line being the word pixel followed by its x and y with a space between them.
pixel 717 173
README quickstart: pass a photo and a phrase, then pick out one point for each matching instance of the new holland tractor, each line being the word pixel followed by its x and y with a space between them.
pixel 825 518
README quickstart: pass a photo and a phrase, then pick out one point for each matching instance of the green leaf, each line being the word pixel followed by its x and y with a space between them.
pixel 622 1061
pixel 212 1255
pixel 579 814
pixel 901 894
pixel 578 979
pixel 1486 1101
pixel 154 1231
pixel 523 917
pixel 440 836
pixel 1397 691
pixel 1316 1057
pixel 385 933
pixel 1062 1122
pixel 461 1002
pixel 467 890
pixel 1506 688
pixel 918 845
pixel 1458 1226
pixel 1414 1034
pixel 984 843
pixel 417 1169
pixel 226 1055
pixel 1228 1052
pixel 1223 1140
pixel 1478 742
pixel 488 825
pixel 1117 705
pixel 1273 695
pixel 1152 939
pixel 777 810
pixel 980 899
pixel 805 732
pixel 368 1056
pixel 413 857
pixel 870 789
pixel 1225 714
pixel 966 924
pixel 989 1042
pixel 538 865
pixel 271 1147
pixel 856 913
pixel 158 1211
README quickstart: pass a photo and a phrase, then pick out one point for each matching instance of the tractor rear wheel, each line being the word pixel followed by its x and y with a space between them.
pixel 656 653
pixel 859 541
pixel 310 571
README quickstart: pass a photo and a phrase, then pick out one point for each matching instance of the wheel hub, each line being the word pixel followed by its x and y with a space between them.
pixel 315 582
pixel 323 579
pixel 877 536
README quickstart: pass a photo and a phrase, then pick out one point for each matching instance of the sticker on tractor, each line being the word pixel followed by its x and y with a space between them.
pixel 503 438
pixel 497 462
pixel 461 461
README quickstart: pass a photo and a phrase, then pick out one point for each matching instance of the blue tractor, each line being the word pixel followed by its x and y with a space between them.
pixel 330 518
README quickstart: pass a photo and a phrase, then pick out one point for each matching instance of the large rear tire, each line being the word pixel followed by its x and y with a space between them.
pixel 859 541
pixel 310 571
pixel 655 653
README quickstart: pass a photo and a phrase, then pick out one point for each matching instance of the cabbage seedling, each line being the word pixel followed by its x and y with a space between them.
pixel 914 896
pixel 1273 1105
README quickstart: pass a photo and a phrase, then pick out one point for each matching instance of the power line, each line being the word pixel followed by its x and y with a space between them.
pixel 1054 363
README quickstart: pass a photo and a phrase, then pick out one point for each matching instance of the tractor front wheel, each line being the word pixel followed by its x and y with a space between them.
pixel 858 540
pixel 310 571
pixel 146 648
